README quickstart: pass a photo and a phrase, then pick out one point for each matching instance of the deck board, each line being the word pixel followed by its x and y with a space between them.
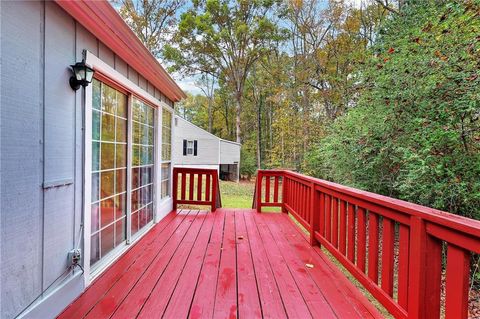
pixel 227 264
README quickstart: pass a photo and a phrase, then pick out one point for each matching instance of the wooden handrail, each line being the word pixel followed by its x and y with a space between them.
pixel 206 190
pixel 389 245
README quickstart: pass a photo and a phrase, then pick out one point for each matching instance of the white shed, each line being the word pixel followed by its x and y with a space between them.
pixel 195 147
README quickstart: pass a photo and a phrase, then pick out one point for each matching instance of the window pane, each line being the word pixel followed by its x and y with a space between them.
pixel 96 98
pixel 95 219
pixel 121 130
pixel 121 155
pixel 108 155
pixel 108 212
pixel 107 239
pixel 95 186
pixel 107 184
pixel 95 156
pixel 120 206
pixel 120 232
pixel 109 99
pixel 96 125
pixel 121 181
pixel 94 248
pixel 121 105
pixel 108 127
pixel 134 223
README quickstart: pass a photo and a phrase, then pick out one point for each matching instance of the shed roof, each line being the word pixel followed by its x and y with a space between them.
pixel 213 135
pixel 103 21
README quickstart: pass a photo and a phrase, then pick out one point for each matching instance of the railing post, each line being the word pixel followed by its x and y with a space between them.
pixel 175 188
pixel 214 191
pixel 284 192
pixel 259 191
pixel 424 272
pixel 314 220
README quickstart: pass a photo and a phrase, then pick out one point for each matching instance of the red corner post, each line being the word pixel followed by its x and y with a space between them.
pixel 314 215
pixel 259 191
pixel 214 191
pixel 175 188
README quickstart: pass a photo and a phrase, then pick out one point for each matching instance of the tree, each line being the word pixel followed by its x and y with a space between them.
pixel 415 131
pixel 151 20
pixel 224 38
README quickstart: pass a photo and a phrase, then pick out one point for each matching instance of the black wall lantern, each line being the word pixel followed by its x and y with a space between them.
pixel 82 75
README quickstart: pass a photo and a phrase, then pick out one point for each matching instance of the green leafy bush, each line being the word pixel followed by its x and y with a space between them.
pixel 415 131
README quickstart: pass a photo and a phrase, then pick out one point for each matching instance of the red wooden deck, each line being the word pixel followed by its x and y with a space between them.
pixel 227 264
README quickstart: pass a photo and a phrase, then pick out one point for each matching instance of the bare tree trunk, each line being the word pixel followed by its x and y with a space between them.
pixel 238 110
pixel 259 134
pixel 210 117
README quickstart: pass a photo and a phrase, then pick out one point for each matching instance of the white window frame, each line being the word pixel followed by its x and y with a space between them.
pixel 190 149
pixel 169 196
pixel 160 209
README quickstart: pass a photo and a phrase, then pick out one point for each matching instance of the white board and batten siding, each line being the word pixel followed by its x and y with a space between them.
pixel 41 186
pixel 229 152
pixel 211 150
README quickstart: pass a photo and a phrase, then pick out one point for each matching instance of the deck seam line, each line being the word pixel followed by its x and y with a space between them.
pixel 285 261
pixel 253 266
pixel 219 264
pixel 126 269
pixel 270 266
pixel 183 269
pixel 153 258
pixel 166 265
pixel 201 268
pixel 309 275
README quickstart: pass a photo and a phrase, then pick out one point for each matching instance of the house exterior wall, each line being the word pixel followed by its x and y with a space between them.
pixel 229 152
pixel 208 144
pixel 41 134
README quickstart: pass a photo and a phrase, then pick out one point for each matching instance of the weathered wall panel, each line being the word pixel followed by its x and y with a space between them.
pixel 41 146
pixel 59 147
pixel 106 55
pixel 21 154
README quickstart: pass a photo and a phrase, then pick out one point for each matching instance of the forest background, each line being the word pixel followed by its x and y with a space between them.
pixel 379 95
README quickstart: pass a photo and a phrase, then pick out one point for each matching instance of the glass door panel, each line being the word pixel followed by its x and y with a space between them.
pixel 143 130
pixel 109 167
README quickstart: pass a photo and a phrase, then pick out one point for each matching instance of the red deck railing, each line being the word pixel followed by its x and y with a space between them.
pixel 392 247
pixel 202 189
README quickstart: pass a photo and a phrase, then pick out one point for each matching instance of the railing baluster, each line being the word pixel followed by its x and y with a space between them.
pixel 275 190
pixel 458 273
pixel 403 260
pixel 313 218
pixel 361 239
pixel 388 236
pixel 328 218
pixel 322 214
pixel 351 232
pixel 199 186
pixel 184 185
pixel 373 246
pixel 343 227
pixel 267 188
pixel 335 222
pixel 207 187
pixel 191 181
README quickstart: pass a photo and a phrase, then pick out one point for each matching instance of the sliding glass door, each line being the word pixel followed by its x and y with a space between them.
pixel 109 170
pixel 143 148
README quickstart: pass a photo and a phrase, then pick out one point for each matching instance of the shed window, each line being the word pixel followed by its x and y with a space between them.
pixel 190 147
